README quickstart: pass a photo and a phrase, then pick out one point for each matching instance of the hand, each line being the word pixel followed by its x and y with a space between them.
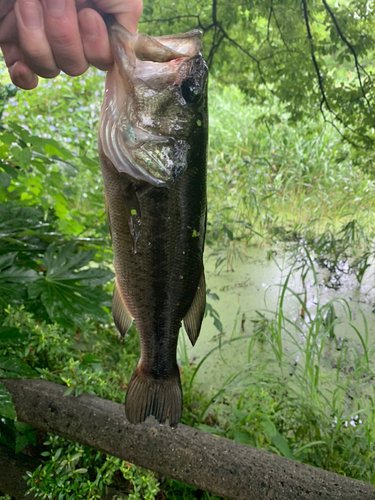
pixel 44 37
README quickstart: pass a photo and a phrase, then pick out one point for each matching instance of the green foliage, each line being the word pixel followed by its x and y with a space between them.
pixel 6 92
pixel 315 57
pixel 39 171
pixel 48 277
pixel 55 126
pixel 174 490
pixel 16 435
pixel 64 290
pixel 72 471
pixel 266 177
pixel 6 404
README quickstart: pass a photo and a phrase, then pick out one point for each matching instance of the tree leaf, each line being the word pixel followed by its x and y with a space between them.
pixel 282 445
pixel 21 442
pixel 21 157
pixel 15 274
pixel 7 260
pixel 94 276
pixel 67 292
pixel 12 337
pixel 15 368
pixel 243 437
pixel 11 171
pixel 269 427
pixel 5 180
pixel 7 408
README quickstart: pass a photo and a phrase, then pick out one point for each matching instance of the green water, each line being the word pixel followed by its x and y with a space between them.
pixel 255 284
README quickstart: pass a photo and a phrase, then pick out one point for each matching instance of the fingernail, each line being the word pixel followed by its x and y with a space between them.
pixel 56 7
pixel 31 14
pixel 88 26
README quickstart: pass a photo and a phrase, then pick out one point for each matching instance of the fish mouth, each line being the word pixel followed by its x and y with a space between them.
pixel 149 58
pixel 134 146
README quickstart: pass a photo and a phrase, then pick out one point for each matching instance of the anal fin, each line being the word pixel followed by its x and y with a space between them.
pixel 121 316
pixel 194 317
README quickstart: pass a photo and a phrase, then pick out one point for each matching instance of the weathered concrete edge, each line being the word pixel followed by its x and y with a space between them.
pixel 220 466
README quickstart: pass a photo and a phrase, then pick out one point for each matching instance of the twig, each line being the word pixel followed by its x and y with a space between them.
pixel 315 62
pixel 279 29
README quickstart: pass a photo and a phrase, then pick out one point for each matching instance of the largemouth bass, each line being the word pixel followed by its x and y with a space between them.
pixel 152 148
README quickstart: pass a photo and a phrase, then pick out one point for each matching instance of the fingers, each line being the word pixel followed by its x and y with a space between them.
pixel 62 31
pixel 95 39
pixel 22 76
pixel 49 37
pixel 42 37
pixel 19 72
pixel 5 7
pixel 8 28
pixel 32 38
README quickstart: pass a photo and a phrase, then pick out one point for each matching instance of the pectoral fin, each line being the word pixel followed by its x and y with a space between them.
pixel 121 316
pixel 194 317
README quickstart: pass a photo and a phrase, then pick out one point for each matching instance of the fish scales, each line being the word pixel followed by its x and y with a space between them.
pixel 152 147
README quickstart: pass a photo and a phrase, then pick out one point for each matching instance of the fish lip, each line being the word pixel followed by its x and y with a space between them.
pixel 119 36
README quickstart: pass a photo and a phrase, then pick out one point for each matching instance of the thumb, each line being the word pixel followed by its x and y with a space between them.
pixel 127 12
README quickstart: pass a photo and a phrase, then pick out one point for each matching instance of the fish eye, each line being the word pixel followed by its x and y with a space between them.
pixel 190 91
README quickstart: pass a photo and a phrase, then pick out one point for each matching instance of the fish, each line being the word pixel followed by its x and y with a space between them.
pixel 153 135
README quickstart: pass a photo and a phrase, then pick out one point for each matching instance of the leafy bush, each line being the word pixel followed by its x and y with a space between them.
pixel 40 270
pixel 72 471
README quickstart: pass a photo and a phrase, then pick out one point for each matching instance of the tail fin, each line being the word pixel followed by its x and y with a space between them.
pixel 148 395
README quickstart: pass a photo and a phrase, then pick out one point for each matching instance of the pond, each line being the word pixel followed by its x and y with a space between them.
pixel 330 307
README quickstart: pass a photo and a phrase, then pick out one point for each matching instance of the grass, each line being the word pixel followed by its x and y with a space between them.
pixel 265 173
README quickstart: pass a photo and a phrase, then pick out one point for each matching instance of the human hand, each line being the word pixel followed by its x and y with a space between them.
pixel 44 37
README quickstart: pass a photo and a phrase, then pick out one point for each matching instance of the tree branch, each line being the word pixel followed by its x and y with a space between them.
pixel 324 100
pixel 315 62
pixel 257 61
pixel 350 47
pixel 214 12
pixel 213 50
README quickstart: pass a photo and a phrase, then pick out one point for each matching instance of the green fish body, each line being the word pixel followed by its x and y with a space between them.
pixel 152 147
